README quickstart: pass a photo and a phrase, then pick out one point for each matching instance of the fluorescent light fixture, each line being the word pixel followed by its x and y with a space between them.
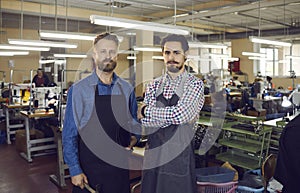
pixel 6 54
pixel 70 35
pixel 27 48
pixel 131 57
pixel 256 58
pixel 231 58
pixel 13 53
pixel 127 52
pixel 148 49
pixel 283 61
pixel 66 35
pixel 253 54
pixel 271 42
pixel 70 55
pixel 180 15
pixel 198 58
pixel 292 57
pixel 157 57
pixel 218 55
pixel 140 25
pixel 41 43
pixel 206 45
pixel 46 61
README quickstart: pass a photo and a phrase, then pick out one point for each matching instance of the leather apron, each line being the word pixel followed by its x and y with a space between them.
pixel 102 176
pixel 178 175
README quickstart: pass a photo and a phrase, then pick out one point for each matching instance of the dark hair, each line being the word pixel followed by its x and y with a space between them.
pixel 175 38
pixel 106 36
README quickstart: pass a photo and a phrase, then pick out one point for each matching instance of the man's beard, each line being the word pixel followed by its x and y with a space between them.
pixel 173 68
pixel 107 65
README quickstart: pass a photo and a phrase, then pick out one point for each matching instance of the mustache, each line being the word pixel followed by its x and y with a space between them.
pixel 173 62
pixel 108 60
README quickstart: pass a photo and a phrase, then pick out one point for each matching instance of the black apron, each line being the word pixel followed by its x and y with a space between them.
pixel 178 175
pixel 287 170
pixel 107 178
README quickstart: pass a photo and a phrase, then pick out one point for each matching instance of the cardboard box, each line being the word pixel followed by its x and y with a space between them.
pixel 257 113
pixel 21 138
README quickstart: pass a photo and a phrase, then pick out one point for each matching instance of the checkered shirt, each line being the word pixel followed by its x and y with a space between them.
pixel 187 108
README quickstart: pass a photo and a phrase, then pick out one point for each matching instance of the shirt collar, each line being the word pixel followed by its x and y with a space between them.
pixel 114 80
pixel 178 78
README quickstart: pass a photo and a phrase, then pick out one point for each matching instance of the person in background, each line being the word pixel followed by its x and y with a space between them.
pixel 258 87
pixel 40 79
pixel 91 99
pixel 287 170
pixel 236 81
pixel 269 83
pixel 171 107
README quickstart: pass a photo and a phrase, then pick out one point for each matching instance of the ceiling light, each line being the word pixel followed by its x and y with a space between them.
pixel 253 54
pixel 147 49
pixel 70 55
pixel 13 53
pixel 6 54
pixel 218 55
pixel 29 48
pixel 271 42
pixel 127 52
pixel 206 45
pixel 180 15
pixel 70 35
pixel 140 25
pixel 198 58
pixel 131 57
pixel 41 43
pixel 66 35
pixel 47 61
pixel 292 57
pixel 157 57
pixel 256 58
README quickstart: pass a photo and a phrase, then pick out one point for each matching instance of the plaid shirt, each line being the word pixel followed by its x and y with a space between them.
pixel 187 108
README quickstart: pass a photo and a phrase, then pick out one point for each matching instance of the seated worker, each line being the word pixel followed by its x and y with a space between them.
pixel 40 79
pixel 287 170
pixel 236 82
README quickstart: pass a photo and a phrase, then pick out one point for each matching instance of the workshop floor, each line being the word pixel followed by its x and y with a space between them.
pixel 19 176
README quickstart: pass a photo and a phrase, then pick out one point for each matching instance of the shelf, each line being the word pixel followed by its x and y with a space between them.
pixel 242 145
pixel 246 132
pixel 241 160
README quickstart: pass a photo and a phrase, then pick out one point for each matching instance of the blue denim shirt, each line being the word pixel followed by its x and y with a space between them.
pixel 77 116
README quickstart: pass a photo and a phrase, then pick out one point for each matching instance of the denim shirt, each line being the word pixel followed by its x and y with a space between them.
pixel 77 116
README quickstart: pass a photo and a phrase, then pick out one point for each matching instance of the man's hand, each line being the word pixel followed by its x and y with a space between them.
pixel 79 180
pixel 133 141
pixel 139 112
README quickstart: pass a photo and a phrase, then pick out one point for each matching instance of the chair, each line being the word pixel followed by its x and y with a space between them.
pixel 268 170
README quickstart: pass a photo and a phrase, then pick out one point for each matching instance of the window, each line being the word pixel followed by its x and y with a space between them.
pixel 269 65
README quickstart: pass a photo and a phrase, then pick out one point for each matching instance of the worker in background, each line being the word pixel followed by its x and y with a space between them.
pixel 257 88
pixel 40 79
pixel 287 170
pixel 90 111
pixel 269 84
pixel 171 107
pixel 236 82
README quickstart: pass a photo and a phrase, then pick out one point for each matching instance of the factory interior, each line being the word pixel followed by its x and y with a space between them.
pixel 246 52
